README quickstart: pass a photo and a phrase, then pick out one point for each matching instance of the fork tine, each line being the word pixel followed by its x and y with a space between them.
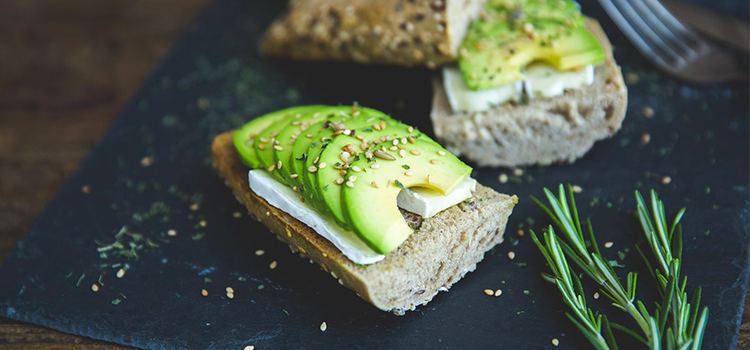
pixel 654 45
pixel 679 29
pixel 670 37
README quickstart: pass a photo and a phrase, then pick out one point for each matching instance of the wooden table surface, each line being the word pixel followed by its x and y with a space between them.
pixel 66 69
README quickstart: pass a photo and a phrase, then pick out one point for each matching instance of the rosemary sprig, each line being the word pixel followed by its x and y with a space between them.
pixel 683 330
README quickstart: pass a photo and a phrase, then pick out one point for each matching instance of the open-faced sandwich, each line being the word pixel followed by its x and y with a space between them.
pixel 378 204
pixel 522 81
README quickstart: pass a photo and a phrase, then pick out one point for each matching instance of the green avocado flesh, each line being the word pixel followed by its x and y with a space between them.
pixel 370 203
pixel 510 34
pixel 358 189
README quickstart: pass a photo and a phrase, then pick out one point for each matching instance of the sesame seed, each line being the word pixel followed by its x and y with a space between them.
pixel 312 169
pixel 355 114
pixel 433 161
pixel 339 181
pixel 353 178
pixel 261 147
pixel 171 233
pixel 408 173
pixel 376 127
pixel 86 189
pixel 383 155
pixel 309 136
pixel 316 160
pixel 401 153
pixel 374 184
pixel 517 172
pixel 146 162
pixel 555 342
pixel 393 148
pixel 410 129
pixel 374 166
pixel 382 124
pixel 229 290
pixel 498 292
pixel 259 252
pixel 503 178
pixel 645 138
pixel 294 188
pixel 666 180
pixel 273 265
pixel 230 295
pixel 489 292
pixel 263 140
pixel 347 132
pixel 278 165
pixel 608 245
pixel 441 152
pixel 249 347
pixel 648 112
pixel 120 273
pixel 520 233
pixel 194 207
pixel 202 223
pixel 344 156
pixel 293 176
pixel 428 178
pixel 322 165
pixel 94 288
pixel 576 189
pixel 235 215
pixel 415 152
pixel 323 326
pixel 272 168
pixel 349 184
pixel 356 169
pixel 411 139
pixel 274 134
pixel 278 148
pixel 296 122
pixel 204 293
pixel 511 255
pixel 596 295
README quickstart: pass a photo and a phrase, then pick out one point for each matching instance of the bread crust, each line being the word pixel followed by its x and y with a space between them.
pixel 559 129
pixel 407 33
pixel 435 256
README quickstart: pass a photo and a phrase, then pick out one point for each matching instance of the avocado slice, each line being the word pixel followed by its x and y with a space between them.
pixel 245 137
pixel 321 141
pixel 288 136
pixel 329 180
pixel 513 33
pixel 369 201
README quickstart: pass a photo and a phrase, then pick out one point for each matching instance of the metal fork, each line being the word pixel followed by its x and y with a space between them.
pixel 671 46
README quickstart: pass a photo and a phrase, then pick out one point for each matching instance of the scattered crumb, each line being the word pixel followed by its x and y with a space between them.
pixel 230 290
pixel 147 161
pixel 632 78
pixel 511 255
pixel 503 178
pixel 596 295
pixel 577 189
pixel 204 293
pixel 194 207
pixel 171 233
pixel 230 295
pixel 273 265
pixel 120 273
pixel 203 103
pixel 489 292
pixel 555 342
pixel 94 288
pixel 648 112
pixel 520 233
pixel 323 326
pixel 517 172
pixel 250 347
pixel 236 215
pixel 608 245
pixel 259 252
pixel 86 189
pixel 666 180
pixel 203 223
pixel 645 138
pixel 498 292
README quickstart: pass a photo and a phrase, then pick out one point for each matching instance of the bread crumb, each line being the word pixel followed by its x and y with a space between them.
pixel 576 189
pixel 608 245
pixel 645 138
pixel 520 233
pixel 194 207
pixel 323 326
pixel 147 161
pixel 86 189
pixel 498 292
pixel 648 112
pixel 503 178
pixel 489 292
pixel 511 255
pixel 555 342
pixel 666 180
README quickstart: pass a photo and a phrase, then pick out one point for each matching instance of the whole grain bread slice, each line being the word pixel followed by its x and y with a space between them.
pixel 407 33
pixel 559 129
pixel 439 253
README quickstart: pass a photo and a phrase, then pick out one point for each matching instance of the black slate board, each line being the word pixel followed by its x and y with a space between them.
pixel 213 81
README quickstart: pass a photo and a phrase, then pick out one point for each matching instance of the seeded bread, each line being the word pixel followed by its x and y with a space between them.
pixel 439 253
pixel 401 32
pixel 547 130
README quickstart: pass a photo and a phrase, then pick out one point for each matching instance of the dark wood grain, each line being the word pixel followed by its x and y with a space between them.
pixel 66 68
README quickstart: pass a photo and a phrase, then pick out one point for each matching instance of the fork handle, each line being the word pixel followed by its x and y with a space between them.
pixel 721 28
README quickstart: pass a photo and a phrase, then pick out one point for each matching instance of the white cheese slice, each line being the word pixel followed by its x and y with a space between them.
pixel 543 80
pixel 285 199
pixel 426 202
pixel 461 98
